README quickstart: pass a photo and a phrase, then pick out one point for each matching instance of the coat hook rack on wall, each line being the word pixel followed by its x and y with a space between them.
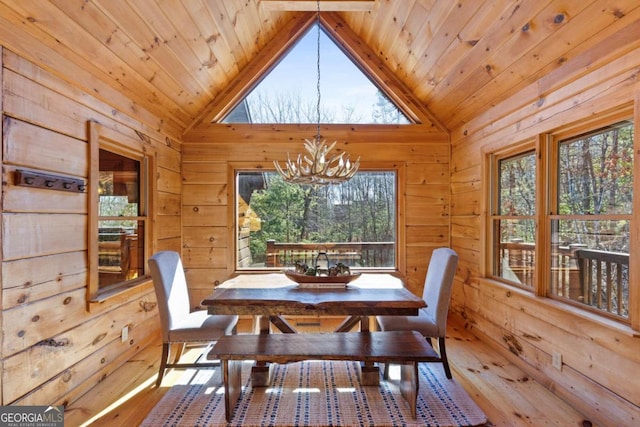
pixel 36 179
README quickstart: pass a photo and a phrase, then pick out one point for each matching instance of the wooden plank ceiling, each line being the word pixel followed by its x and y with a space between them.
pixel 182 59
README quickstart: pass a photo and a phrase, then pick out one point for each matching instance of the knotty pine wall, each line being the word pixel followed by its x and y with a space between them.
pixel 209 155
pixel 54 348
pixel 601 359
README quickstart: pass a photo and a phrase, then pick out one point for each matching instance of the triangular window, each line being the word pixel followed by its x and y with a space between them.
pixel 289 93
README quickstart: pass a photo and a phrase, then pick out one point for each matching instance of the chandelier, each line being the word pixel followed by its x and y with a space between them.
pixel 317 166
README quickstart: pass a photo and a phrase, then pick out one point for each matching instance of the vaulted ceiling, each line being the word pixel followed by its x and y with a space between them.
pixel 189 61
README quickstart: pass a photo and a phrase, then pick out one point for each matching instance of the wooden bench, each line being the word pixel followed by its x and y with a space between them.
pixel 406 348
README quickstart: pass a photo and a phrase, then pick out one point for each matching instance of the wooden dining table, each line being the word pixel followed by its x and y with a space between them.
pixel 272 296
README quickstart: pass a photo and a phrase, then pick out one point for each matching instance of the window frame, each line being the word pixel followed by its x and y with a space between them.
pixel 546 210
pixel 146 156
pixel 328 38
pixel 524 148
pixel 554 140
pixel 400 171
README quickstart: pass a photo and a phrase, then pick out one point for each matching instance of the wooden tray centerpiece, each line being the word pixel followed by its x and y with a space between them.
pixel 322 273
pixel 304 279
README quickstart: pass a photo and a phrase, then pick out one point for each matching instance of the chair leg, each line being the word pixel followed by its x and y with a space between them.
pixel 163 363
pixel 179 352
pixel 443 356
pixel 386 371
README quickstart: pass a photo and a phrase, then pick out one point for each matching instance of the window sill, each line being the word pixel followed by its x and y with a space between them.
pixel 557 305
pixel 119 293
pixel 385 270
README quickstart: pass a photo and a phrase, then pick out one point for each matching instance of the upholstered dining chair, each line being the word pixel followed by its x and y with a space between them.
pixel 431 321
pixel 178 323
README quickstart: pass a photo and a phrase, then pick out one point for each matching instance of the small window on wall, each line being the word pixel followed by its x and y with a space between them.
pixel 280 224
pixel 119 222
pixel 591 221
pixel 513 218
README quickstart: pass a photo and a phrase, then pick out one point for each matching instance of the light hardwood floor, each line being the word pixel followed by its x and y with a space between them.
pixel 506 394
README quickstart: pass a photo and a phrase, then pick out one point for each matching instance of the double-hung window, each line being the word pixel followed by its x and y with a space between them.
pixel 561 217
pixel 513 219
pixel 119 214
pixel 590 220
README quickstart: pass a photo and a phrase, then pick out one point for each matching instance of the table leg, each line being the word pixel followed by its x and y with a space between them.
pixel 348 324
pixel 261 371
pixel 369 373
pixel 364 323
pixel 282 325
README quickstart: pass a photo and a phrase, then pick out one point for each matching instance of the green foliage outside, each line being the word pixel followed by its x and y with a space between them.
pixel 360 210
pixel 595 177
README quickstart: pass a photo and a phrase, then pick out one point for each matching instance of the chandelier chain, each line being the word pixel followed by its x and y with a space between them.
pixel 318 69
pixel 318 167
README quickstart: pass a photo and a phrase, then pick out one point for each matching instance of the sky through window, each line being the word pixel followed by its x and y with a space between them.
pixel 288 94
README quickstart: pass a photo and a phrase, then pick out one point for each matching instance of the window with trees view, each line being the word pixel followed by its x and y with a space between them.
pixel 121 220
pixel 589 180
pixel 119 224
pixel 591 218
pixel 514 220
pixel 279 223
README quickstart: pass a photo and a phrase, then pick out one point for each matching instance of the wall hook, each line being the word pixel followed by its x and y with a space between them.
pixel 36 179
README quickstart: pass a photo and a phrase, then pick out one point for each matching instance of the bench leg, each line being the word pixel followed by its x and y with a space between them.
pixel 232 379
pixel 409 382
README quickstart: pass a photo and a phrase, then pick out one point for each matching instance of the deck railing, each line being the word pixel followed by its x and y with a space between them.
pixel 604 277
pixel 117 255
pixel 359 254
pixel 596 278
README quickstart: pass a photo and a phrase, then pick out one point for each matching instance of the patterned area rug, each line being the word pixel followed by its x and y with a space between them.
pixel 316 393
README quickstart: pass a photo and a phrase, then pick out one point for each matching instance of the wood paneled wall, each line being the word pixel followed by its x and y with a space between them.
pixel 209 155
pixel 601 358
pixel 54 350
pixel 54 347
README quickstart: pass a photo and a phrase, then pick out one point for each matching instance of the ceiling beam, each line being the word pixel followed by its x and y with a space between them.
pixel 312 5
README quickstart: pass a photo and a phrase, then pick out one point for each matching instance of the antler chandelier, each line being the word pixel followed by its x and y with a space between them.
pixel 318 167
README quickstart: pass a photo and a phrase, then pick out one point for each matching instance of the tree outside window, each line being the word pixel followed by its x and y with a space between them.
pixel 594 208
pixel 120 213
pixel 584 257
pixel 120 255
pixel 281 223
pixel 514 222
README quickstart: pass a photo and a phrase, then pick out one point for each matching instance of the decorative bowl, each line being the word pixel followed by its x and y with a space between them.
pixel 303 278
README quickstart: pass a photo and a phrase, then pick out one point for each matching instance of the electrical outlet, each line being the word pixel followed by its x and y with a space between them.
pixel 125 333
pixel 556 360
